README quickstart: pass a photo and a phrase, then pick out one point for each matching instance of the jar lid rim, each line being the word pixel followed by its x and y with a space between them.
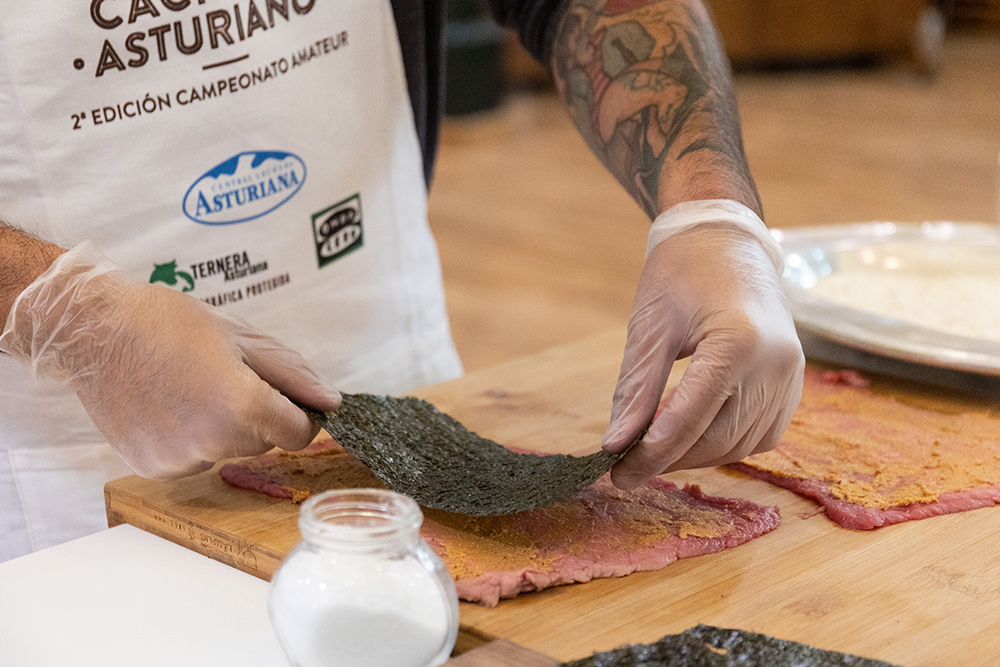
pixel 359 515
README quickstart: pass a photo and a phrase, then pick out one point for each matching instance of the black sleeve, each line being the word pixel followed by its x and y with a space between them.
pixel 535 21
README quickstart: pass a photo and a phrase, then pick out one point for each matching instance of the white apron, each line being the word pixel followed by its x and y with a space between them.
pixel 259 155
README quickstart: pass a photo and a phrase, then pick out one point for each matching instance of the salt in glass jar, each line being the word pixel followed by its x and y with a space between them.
pixel 363 589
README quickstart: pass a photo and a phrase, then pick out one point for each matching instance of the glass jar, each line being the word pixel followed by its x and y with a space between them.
pixel 363 589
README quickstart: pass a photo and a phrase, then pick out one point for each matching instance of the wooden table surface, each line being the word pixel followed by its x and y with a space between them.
pixel 923 593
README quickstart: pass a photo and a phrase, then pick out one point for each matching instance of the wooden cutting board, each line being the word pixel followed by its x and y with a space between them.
pixel 501 653
pixel 924 593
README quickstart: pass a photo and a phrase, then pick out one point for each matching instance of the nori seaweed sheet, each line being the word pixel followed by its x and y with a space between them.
pixel 420 451
pixel 709 646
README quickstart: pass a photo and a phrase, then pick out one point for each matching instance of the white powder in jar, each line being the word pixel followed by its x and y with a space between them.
pixel 348 611
pixel 961 304
pixel 348 636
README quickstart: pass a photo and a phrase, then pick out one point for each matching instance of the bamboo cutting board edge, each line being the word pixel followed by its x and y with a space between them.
pixel 127 503
pixel 502 653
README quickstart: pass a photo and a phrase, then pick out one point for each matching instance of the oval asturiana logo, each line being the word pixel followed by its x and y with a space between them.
pixel 244 187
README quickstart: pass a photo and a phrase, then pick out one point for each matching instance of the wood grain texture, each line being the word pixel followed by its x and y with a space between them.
pixel 791 30
pixel 502 653
pixel 916 594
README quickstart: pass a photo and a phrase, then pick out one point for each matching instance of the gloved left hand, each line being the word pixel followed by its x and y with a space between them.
pixel 710 290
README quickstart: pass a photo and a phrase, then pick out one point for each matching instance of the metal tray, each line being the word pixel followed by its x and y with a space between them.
pixel 941 248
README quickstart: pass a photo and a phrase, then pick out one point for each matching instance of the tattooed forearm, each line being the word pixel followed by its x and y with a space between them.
pixel 649 88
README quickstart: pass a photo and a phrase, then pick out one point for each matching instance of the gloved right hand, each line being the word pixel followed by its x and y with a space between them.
pixel 173 384
pixel 711 291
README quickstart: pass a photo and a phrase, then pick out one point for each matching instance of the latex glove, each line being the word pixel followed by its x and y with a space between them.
pixel 173 384
pixel 710 290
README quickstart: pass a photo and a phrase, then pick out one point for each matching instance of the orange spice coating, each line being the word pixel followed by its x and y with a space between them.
pixel 472 546
pixel 874 451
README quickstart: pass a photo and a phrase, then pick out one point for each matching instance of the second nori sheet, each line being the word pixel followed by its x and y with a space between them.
pixel 709 646
pixel 420 451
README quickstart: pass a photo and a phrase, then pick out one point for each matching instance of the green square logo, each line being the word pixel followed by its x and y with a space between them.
pixel 337 230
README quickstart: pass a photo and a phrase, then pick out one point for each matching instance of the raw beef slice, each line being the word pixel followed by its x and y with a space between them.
pixel 872 461
pixel 601 532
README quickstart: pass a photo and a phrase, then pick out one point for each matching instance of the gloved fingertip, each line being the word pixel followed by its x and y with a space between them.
pixel 613 445
pixel 301 444
pixel 331 398
pixel 610 446
pixel 615 439
pixel 170 474
pixel 626 481
pixel 312 435
pixel 321 396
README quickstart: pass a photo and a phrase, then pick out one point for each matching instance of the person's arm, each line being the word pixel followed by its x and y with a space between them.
pixel 172 383
pixel 648 86
pixel 22 259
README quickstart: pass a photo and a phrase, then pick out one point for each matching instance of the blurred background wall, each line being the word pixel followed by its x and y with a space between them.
pixel 853 111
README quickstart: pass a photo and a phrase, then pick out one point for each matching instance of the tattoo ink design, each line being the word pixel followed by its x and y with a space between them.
pixel 642 90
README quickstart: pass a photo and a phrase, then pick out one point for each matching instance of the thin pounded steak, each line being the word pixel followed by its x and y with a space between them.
pixel 873 461
pixel 601 532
